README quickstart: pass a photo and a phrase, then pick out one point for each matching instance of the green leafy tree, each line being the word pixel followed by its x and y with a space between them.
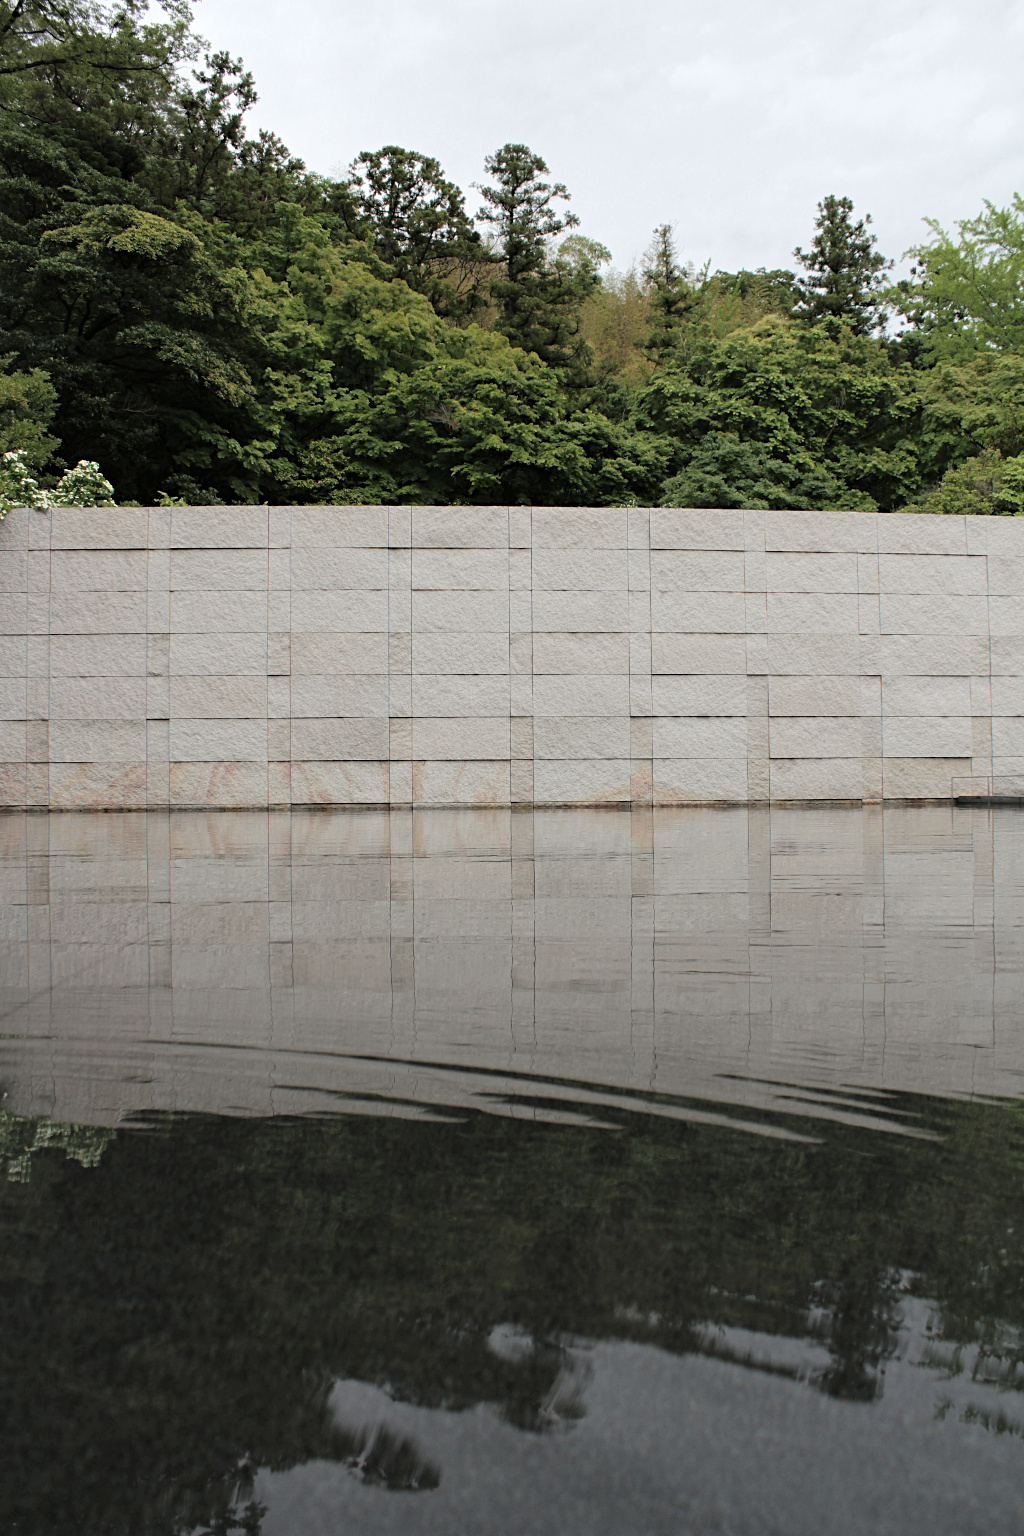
pixel 727 472
pixel 844 282
pixel 674 293
pixel 986 485
pixel 28 402
pixel 538 295
pixel 415 220
pixel 966 291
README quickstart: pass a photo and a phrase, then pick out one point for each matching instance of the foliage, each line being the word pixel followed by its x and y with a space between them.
pixel 987 485
pixel 844 283
pixel 82 486
pixel 966 292
pixel 28 402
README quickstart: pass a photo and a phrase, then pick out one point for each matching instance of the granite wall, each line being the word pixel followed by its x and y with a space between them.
pixel 463 656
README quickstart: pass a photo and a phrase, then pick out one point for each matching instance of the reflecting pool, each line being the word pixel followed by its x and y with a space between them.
pixel 508 1172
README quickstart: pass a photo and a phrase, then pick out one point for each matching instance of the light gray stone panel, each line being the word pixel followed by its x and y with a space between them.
pixel 339 612
pixel 1007 738
pixel 587 781
pixel 340 527
pixel 330 694
pixel 338 740
pixel 926 696
pixel 816 778
pixel 91 528
pixel 219 570
pixel 226 785
pixel 440 694
pixel 905 736
pixel 461 783
pixel 557 696
pixel 13 741
pixel 219 528
pixel 1006 575
pixel 466 738
pixel 926 655
pixel 230 655
pixel 689 570
pixel 581 612
pixel 580 528
pixel 214 741
pixel 460 570
pixel 701 694
pixel 343 783
pixel 114 786
pixel 808 736
pixel 101 741
pixel 1006 615
pixel 566 737
pixel 13 656
pixel 919 534
pixel 88 570
pixel 817 655
pixel 461 652
pixel 580 570
pixel 98 655
pixel 698 612
pixel 789 571
pixel 1007 695
pixel 444 612
pixel 700 780
pixel 814 696
pixel 922 778
pixel 924 575
pixel 699 736
pixel 580 654
pixel 14 570
pixel 719 654
pixel 805 613
pixel 820 532
pixel 315 654
pixel 338 568
pixel 97 613
pixel 91 698
pixel 686 528
pixel 205 613
pixel 13 697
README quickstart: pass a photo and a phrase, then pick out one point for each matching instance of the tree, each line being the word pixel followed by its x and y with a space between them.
pixel 673 293
pixel 966 292
pixel 844 282
pixel 538 296
pixel 416 221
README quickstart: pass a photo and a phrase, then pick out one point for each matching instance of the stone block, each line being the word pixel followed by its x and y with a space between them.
pixel 277 610
pixel 928 696
pixel 925 655
pixel 330 694
pixel 219 655
pixel 705 570
pixel 520 528
pixel 216 741
pixel 448 612
pixel 820 655
pixel 580 528
pixel 814 696
pixel 215 698
pixel 581 694
pixel 401 784
pixel 867 573
pixel 37 698
pixel 821 532
pixel 923 575
pixel 869 616
pixel 1007 738
pixel 92 528
pixel 522 791
pixel 205 613
pixel 922 778
pixel 13 784
pixel 520 655
pixel 719 654
pixel 219 570
pixel 158 742
pixel 811 613
pixel 458 739
pixel 326 740
pixel 13 656
pixel 13 698
pixel 520 694
pixel 339 612
pixel 698 612
pixel 699 736
pixel 581 612
pixel 89 570
pixel 222 786
pixel 460 528
pixel 520 570
pixel 1007 694
pixel 912 533
pixel 214 528
pixel 14 530
pixel 816 778
pixel 464 651
pixel 338 568
pixel 790 571
pixel 460 570
pixel 585 781
pixel 977 535
pixel 1006 574
pixel 825 736
pixel 95 613
pixel 107 786
pixel 460 696
pixel 1006 616
pixel 755 611
pixel 12 741
pixel 279 699
pixel 521 737
pixel 700 780
pixel 342 527
pixel 700 694
pixel 14 571
pixel 92 698
pixel 37 783
pixel 905 736
pixel 981 698
pixel 580 654
pixel 461 783
pixel 520 611
pixel 690 528
pixel 575 737
pixel 580 570
pixel 97 655
pixel 98 741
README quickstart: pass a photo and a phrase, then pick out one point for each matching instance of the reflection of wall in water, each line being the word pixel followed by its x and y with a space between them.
pixel 245 960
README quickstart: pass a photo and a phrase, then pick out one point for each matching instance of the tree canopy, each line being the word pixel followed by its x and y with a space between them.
pixel 191 307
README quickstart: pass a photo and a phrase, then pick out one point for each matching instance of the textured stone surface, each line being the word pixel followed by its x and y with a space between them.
pixel 247 657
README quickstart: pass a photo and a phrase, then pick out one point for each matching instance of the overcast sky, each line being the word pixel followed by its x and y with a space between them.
pixel 729 118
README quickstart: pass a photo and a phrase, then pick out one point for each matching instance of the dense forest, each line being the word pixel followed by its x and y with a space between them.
pixel 212 323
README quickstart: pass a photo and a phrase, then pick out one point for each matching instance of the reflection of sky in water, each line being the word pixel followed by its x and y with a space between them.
pixel 478 1247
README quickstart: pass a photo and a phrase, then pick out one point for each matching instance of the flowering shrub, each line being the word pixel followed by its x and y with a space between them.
pixel 83 486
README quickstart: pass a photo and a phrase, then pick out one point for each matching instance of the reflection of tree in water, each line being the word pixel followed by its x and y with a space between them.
pixel 178 1315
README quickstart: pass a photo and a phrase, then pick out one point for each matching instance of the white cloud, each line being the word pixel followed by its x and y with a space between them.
pixel 731 121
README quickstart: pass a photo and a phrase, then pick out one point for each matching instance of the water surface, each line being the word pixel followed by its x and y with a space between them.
pixel 487 1172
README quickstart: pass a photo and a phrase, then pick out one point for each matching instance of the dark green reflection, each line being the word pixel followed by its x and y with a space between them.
pixel 174 1315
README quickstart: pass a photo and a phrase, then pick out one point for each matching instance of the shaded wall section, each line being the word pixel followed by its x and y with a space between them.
pixel 255 657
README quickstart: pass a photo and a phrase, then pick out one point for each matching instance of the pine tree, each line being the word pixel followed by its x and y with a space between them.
pixel 673 295
pixel 844 278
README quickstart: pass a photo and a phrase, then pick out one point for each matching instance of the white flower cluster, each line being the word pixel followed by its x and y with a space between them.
pixel 83 486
